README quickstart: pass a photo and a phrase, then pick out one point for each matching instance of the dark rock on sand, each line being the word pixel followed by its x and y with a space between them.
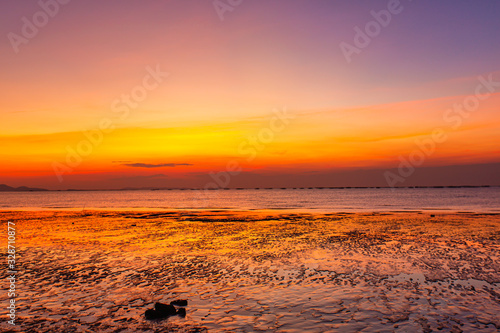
pixel 165 310
pixel 160 311
pixel 179 302
pixel 152 314
pixel 181 312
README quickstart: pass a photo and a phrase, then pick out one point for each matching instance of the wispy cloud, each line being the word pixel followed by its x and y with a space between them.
pixel 163 165
pixel 149 177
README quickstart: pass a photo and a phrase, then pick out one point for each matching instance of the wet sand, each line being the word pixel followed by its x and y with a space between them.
pixel 98 271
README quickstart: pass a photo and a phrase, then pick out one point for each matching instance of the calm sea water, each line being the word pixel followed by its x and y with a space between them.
pixel 453 199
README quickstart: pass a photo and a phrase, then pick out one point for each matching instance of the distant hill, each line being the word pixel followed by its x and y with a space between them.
pixel 6 188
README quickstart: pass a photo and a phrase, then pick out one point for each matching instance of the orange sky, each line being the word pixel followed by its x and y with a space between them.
pixel 219 86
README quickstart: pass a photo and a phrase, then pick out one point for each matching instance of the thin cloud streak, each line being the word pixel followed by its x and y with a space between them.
pixel 142 178
pixel 164 165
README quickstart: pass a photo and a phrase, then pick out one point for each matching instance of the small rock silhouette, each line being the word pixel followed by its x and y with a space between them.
pixel 165 310
pixel 162 311
pixel 152 314
pixel 181 312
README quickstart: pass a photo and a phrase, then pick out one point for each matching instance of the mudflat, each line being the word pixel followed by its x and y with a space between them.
pixel 249 271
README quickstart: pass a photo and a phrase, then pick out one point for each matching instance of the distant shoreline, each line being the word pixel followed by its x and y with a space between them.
pixel 27 189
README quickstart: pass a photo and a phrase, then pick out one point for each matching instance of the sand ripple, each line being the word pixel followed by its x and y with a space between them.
pixel 257 271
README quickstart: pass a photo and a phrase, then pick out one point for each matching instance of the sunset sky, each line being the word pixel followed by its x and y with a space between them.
pixel 113 94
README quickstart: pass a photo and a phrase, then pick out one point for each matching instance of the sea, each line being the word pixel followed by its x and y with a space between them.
pixel 463 199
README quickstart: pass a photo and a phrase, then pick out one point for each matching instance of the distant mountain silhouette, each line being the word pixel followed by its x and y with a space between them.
pixel 6 188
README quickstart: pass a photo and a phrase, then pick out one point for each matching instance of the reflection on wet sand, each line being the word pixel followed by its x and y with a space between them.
pixel 257 271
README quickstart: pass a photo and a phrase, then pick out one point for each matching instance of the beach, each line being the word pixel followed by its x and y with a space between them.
pixel 255 270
